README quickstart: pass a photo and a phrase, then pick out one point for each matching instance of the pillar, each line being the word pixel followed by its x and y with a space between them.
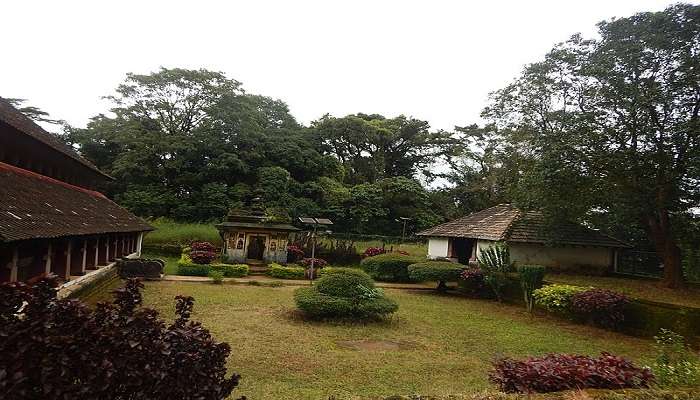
pixel 107 239
pixel 97 251
pixel 13 267
pixel 69 251
pixel 49 254
pixel 139 243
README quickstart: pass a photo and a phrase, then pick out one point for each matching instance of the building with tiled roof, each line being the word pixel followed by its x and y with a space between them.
pixel 53 219
pixel 530 240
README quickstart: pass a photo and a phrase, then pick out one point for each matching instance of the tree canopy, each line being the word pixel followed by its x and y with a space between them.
pixel 613 124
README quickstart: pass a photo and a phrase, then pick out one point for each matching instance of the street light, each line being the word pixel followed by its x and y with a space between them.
pixel 403 232
pixel 315 222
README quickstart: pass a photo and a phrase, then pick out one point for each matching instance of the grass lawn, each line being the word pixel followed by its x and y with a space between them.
pixel 639 288
pixel 170 232
pixel 445 344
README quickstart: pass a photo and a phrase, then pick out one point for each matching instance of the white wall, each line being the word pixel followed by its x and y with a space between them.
pixel 573 258
pixel 437 247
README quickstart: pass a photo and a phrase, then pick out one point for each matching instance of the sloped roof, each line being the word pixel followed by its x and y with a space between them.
pixel 258 225
pixel 13 117
pixel 36 206
pixel 506 222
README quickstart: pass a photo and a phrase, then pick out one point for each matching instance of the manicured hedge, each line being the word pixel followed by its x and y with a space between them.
pixel 193 269
pixel 435 271
pixel 390 267
pixel 231 270
pixel 285 272
pixel 345 282
pixel 321 306
pixel 337 270
pixel 344 293
pixel 140 268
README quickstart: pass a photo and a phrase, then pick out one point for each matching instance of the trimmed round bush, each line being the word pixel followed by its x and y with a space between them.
pixel 344 293
pixel 390 267
pixel 435 271
pixel 557 298
pixel 345 282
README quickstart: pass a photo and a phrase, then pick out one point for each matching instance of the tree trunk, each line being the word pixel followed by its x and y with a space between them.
pixel 665 244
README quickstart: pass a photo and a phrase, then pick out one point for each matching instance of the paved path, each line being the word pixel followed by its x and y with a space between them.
pixel 262 279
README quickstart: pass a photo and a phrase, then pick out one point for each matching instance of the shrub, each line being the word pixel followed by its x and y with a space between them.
pixel 439 271
pixel 294 253
pixel 282 272
pixel 193 269
pixel 495 262
pixel 557 372
pixel 318 262
pixel 140 267
pixel 557 298
pixel 202 252
pixel 347 293
pixel 390 267
pixel 346 282
pixel 337 270
pixel 531 277
pixel 231 270
pixel 373 251
pixel 217 277
pixel 676 364
pixel 600 306
pixel 473 284
pixel 63 349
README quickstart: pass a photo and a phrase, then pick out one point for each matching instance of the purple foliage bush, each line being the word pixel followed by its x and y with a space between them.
pixel 62 349
pixel 373 251
pixel 600 306
pixel 294 253
pixel 556 372
pixel 472 282
pixel 318 262
pixel 202 252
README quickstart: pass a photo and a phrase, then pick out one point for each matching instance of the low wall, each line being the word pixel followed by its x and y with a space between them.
pixel 88 283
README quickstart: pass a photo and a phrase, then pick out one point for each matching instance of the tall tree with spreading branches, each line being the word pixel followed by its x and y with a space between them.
pixel 612 124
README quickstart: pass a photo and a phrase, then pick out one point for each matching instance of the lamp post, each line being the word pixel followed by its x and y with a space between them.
pixel 315 222
pixel 403 231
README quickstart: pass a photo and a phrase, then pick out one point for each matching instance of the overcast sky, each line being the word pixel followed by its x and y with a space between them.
pixel 434 60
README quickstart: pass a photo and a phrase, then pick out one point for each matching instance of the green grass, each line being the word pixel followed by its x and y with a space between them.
pixel 170 232
pixel 448 343
pixel 414 249
pixel 638 288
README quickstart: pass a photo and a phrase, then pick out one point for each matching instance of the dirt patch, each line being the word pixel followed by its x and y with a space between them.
pixel 375 345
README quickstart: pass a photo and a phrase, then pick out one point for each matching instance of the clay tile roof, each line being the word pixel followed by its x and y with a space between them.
pixel 13 117
pixel 505 222
pixel 36 206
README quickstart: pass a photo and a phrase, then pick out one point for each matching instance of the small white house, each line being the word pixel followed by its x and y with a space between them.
pixel 566 246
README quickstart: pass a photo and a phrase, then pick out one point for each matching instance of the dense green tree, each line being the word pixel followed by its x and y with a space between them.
pixel 372 147
pixel 611 125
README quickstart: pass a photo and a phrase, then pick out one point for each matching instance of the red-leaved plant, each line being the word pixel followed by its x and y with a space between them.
pixel 62 349
pixel 603 307
pixel 473 283
pixel 318 262
pixel 202 252
pixel 556 372
pixel 373 251
pixel 294 253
